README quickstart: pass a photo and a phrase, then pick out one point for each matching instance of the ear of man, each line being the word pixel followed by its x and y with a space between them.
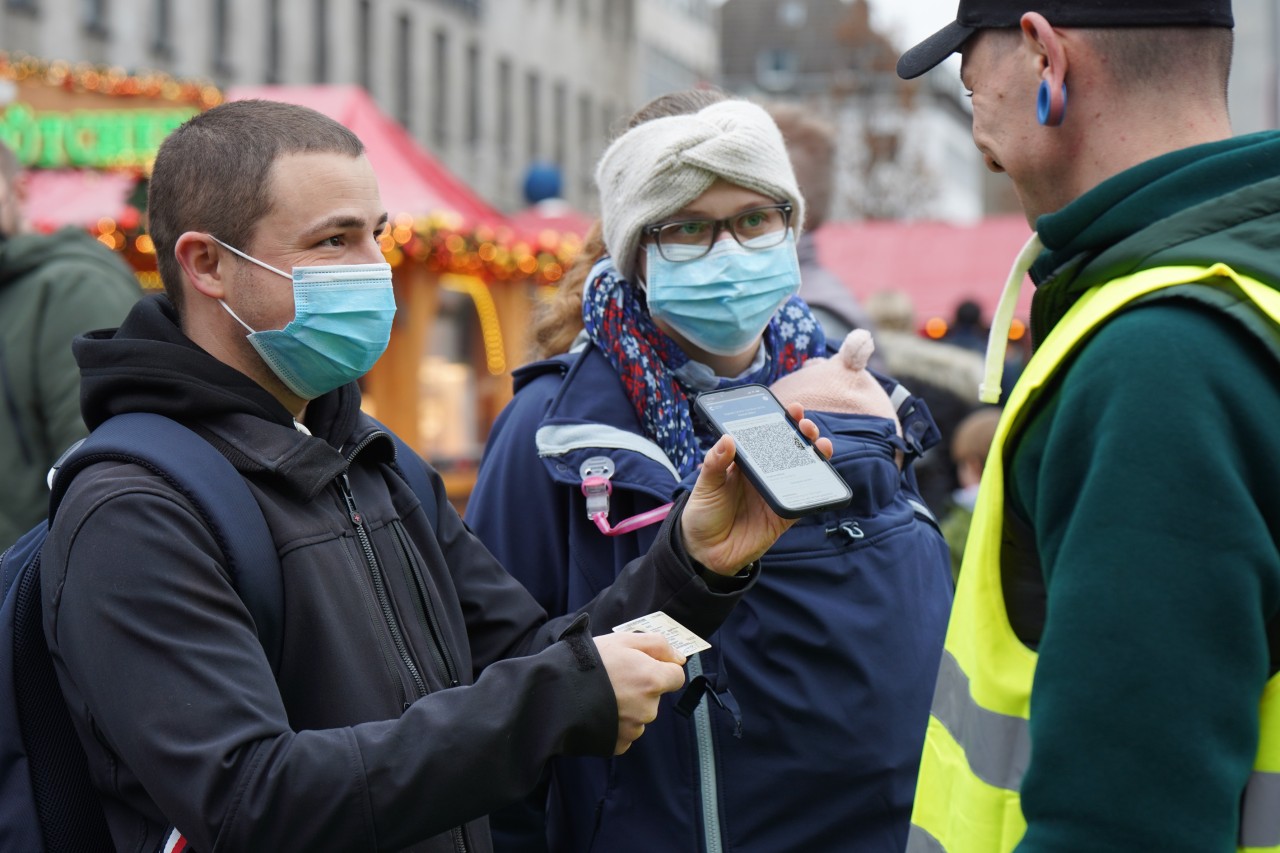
pixel 1047 46
pixel 203 263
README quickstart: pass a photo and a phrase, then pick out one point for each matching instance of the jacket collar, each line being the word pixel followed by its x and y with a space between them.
pixel 590 415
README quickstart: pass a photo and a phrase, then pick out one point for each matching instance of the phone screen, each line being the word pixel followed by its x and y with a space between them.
pixel 789 468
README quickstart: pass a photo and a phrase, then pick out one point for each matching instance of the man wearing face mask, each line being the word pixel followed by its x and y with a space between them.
pixel 802 725
pixel 419 686
pixel 52 288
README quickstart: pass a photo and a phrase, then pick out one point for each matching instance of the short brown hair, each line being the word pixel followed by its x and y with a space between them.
pixel 974 434
pixel 213 174
pixel 811 142
pixel 1156 57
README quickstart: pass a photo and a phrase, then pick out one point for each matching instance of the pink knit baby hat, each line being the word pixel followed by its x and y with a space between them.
pixel 839 384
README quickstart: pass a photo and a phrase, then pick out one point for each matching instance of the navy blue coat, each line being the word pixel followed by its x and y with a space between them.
pixel 821 678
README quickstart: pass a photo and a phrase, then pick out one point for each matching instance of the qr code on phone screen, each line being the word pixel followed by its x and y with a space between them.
pixel 773 447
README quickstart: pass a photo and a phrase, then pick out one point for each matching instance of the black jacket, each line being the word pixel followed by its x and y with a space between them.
pixel 420 686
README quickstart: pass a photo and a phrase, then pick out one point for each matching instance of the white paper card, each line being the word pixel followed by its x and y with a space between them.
pixel 683 640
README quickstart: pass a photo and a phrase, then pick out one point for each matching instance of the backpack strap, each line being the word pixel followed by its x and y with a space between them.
pixel 217 490
pixel 413 471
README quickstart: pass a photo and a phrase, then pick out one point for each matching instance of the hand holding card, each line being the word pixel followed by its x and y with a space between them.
pixel 682 640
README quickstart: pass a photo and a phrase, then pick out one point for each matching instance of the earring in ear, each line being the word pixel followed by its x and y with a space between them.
pixel 1051 106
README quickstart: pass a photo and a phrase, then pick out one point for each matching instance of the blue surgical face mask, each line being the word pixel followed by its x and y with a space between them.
pixel 723 301
pixel 341 325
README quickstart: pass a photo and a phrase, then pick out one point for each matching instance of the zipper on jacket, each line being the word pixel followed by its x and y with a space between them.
pixel 458 833
pixel 849 528
pixel 380 586
pixel 430 619
pixel 708 783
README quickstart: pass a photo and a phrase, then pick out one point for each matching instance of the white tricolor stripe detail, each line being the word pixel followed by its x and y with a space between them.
pixel 175 843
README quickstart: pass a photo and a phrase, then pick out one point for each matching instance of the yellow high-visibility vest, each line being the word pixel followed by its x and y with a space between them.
pixel 978 742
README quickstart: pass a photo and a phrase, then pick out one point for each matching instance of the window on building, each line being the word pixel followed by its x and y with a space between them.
pixel 364 44
pixel 271 69
pixel 586 142
pixel 95 17
pixel 161 28
pixel 793 14
pixel 320 20
pixel 504 101
pixel 608 115
pixel 776 69
pixel 404 79
pixel 221 30
pixel 440 89
pixel 559 120
pixel 533 114
pixel 29 6
pixel 473 93
pixel 629 19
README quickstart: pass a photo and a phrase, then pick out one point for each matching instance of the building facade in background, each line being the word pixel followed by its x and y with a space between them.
pixel 1255 69
pixel 904 149
pixel 488 86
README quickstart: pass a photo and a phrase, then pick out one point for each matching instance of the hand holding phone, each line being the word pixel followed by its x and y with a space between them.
pixel 791 475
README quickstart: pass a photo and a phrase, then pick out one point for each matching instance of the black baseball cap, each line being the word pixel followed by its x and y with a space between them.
pixel 974 15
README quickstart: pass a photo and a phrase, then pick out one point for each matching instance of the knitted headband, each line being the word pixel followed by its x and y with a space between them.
pixel 656 168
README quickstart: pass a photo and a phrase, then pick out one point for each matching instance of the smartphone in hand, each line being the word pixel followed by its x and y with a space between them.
pixel 784 466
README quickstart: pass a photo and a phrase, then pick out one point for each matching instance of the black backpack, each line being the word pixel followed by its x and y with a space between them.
pixel 47 802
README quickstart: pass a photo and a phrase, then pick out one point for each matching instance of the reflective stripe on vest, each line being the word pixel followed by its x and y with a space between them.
pixel 978 742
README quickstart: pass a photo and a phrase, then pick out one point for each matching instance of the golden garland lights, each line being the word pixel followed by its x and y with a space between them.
pixel 492 254
pixel 441 241
pixel 84 77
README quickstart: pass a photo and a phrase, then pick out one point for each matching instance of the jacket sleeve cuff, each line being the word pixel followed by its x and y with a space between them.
pixel 598 736
pixel 716 582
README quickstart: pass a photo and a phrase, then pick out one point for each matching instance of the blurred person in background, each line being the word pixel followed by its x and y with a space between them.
pixel 53 287
pixel 967 328
pixel 969 446
pixel 946 376
pixel 802 723
pixel 811 144
pixel 1112 674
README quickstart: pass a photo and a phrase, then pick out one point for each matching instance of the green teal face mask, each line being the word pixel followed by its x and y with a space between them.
pixel 723 300
pixel 341 325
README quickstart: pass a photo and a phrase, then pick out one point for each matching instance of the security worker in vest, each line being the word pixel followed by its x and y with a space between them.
pixel 1110 676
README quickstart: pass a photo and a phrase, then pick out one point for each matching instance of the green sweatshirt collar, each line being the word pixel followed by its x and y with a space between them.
pixel 1137 200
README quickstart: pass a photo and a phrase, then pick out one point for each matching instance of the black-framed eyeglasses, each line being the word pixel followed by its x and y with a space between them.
pixel 689 239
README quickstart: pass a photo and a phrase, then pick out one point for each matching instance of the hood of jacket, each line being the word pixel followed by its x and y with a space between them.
pixel 1218 202
pixel 149 365
pixel 20 254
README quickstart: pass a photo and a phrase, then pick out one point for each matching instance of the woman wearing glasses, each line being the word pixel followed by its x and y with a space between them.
pixel 801 726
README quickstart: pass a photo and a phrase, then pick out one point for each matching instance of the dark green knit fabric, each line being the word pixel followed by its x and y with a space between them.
pixel 1151 476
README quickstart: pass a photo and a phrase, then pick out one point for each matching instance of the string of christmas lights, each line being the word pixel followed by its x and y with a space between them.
pixel 86 77
pixel 441 241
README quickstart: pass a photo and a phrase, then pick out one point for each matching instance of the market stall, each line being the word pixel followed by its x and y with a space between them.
pixel 87 137
pixel 466 276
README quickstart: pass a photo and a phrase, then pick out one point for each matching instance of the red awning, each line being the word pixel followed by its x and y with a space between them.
pixel 59 197
pixel 936 264
pixel 410 179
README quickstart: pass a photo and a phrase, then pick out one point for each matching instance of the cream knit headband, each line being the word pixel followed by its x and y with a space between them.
pixel 656 168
